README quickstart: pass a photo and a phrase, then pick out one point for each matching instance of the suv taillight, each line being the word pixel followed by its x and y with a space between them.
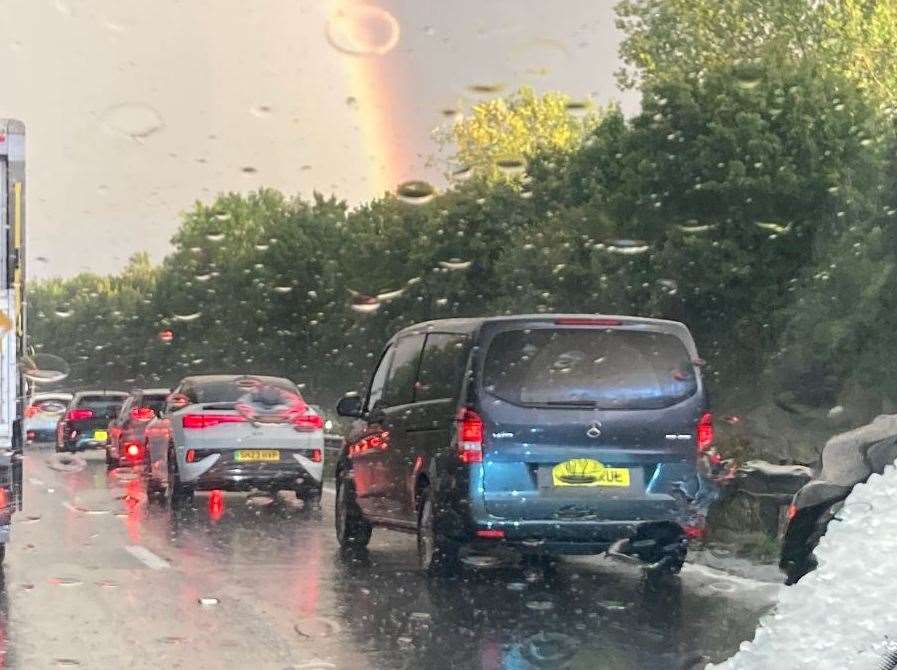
pixel 470 436
pixel 308 420
pixel 705 431
pixel 79 414
pixel 191 421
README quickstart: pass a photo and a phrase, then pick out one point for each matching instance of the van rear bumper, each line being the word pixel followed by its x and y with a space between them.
pixel 565 537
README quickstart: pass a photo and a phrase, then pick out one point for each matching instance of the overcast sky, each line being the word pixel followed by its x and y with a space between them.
pixel 137 108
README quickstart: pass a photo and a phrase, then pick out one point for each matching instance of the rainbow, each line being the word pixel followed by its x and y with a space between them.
pixel 387 125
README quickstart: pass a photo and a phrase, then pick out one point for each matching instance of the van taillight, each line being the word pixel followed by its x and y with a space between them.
pixel 79 414
pixel 470 436
pixel 705 431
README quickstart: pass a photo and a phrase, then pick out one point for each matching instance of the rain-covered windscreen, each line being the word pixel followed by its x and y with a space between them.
pixel 102 405
pixel 603 369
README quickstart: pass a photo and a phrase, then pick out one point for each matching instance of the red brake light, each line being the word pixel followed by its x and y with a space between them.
pixel 470 436
pixel 705 431
pixel 79 414
pixel 143 414
pixel 491 534
pixel 792 511
pixel 193 421
pixel 588 322
pixel 308 420
pixel 132 450
pixel 31 410
pixel 190 456
pixel 4 497
pixel 317 455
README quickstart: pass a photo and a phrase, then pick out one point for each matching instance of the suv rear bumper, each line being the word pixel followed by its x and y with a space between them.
pixel 230 476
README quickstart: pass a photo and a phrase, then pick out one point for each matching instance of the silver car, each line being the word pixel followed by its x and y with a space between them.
pixel 235 433
pixel 42 415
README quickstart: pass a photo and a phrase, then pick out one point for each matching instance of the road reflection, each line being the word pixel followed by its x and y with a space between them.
pixel 282 564
pixel 498 620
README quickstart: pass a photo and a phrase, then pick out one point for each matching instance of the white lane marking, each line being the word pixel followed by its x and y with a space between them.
pixel 35 481
pixel 329 489
pixel 148 558
pixel 69 506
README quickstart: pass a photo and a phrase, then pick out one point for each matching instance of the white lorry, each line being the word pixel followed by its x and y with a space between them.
pixel 13 344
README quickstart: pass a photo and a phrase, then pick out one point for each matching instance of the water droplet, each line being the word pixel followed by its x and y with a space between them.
pixel 186 318
pixel 214 236
pixel 44 368
pixel 415 192
pixel 107 584
pixel 481 560
pixel 386 296
pixel 262 247
pixel 628 247
pixel 455 264
pixel 66 662
pixel 365 304
pixel 361 30
pixel 486 89
pixel 207 601
pixel 248 169
pixel 64 581
pixel 578 107
pixel 692 227
pixel 283 289
pixel 135 120
pixel 511 165
pixel 317 627
pixel 461 173
pixel 64 313
pixel 539 605
pixel 776 228
pixel 835 411
pixel 261 111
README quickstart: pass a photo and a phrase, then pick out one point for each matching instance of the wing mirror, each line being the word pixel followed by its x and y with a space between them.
pixel 349 405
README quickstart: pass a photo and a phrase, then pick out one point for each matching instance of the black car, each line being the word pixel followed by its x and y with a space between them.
pixel 546 434
pixel 127 443
pixel 86 420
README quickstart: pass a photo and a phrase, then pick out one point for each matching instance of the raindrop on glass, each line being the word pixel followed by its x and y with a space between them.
pixel 362 29
pixel 416 192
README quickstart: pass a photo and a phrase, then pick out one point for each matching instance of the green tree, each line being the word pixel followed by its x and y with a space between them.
pixel 500 135
pixel 669 38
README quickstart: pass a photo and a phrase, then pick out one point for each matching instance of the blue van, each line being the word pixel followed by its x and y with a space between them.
pixel 546 434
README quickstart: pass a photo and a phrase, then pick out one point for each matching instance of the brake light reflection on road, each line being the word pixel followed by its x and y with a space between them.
pixel 216 505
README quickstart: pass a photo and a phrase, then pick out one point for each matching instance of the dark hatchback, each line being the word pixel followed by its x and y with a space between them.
pixel 546 434
pixel 86 420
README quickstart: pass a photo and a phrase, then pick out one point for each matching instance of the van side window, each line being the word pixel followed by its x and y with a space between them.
pixel 400 383
pixel 442 366
pixel 375 393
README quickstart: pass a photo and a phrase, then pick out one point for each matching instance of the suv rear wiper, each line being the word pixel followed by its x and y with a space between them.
pixel 590 404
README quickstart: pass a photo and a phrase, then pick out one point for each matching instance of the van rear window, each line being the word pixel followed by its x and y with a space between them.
pixel 585 367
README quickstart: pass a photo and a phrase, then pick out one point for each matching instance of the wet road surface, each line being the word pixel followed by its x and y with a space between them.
pixel 96 577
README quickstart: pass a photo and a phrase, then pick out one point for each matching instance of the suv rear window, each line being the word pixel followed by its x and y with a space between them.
pixel 595 368
pixel 102 405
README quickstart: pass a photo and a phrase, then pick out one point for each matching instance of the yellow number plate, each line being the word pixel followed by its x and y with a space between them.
pixel 588 472
pixel 257 455
pixel 100 435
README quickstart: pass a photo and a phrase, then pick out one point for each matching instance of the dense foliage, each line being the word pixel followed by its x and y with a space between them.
pixel 755 202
